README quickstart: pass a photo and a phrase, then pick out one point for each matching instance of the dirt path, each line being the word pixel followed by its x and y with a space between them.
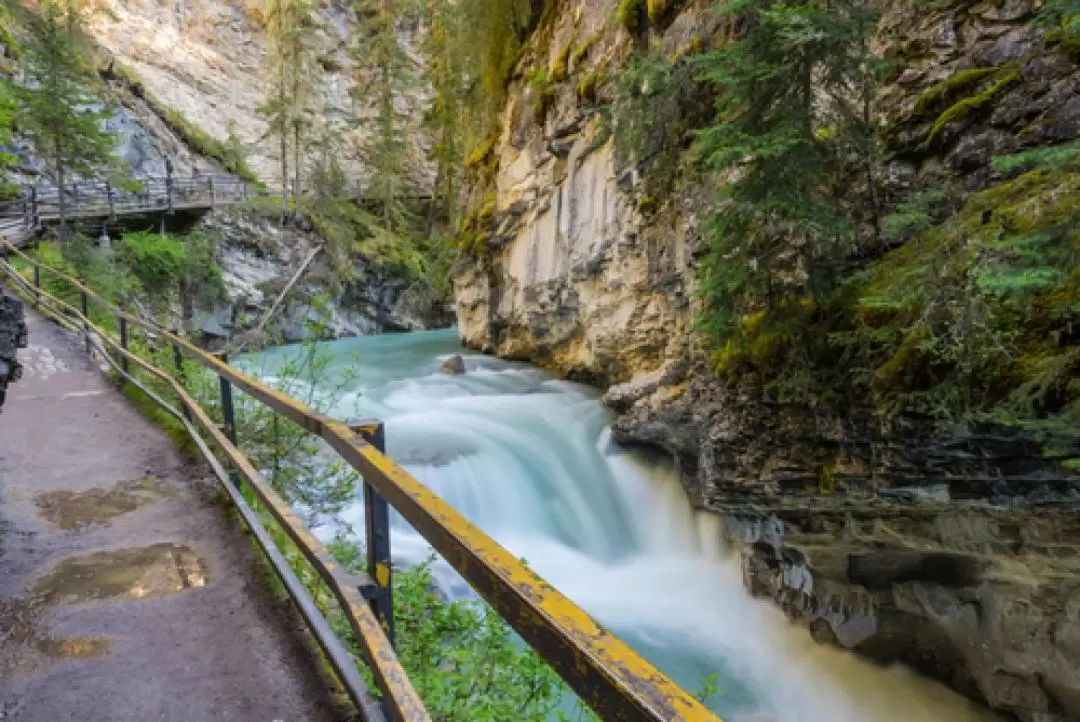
pixel 126 593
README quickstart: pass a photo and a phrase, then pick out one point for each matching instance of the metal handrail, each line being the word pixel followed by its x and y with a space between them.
pixel 606 673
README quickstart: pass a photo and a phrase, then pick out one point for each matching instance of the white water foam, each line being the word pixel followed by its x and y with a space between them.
pixel 530 461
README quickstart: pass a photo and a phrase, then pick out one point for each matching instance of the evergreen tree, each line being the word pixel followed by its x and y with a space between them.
pixel 55 108
pixel 790 119
pixel 289 106
pixel 386 75
pixel 444 119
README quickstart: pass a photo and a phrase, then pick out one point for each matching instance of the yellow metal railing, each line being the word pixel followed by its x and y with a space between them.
pixel 606 674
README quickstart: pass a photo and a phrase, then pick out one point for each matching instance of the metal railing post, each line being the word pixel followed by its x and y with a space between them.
pixel 168 185
pixel 37 283
pixel 123 344
pixel 377 533
pixel 229 416
pixel 210 184
pixel 86 314
pixel 26 211
pixel 112 205
pixel 34 221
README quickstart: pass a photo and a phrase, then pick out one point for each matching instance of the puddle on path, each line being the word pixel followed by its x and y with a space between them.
pixel 76 509
pixel 132 573
pixel 24 642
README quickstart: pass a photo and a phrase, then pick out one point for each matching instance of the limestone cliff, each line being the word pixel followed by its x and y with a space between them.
pixel 954 553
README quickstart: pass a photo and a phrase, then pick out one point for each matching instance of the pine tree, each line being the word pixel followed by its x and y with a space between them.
pixel 56 109
pixel 386 75
pixel 289 105
pixel 444 118
pixel 790 119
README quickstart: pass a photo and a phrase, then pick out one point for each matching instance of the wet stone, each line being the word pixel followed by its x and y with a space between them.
pixel 132 573
pixel 76 509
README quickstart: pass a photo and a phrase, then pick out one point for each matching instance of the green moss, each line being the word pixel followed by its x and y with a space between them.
pixel 229 155
pixel 827 478
pixel 970 105
pixel 560 69
pixel 959 81
pixel 630 14
pixel 657 9
pixel 482 152
pixel 583 49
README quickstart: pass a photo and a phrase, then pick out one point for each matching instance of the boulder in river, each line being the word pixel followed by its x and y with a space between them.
pixel 454 365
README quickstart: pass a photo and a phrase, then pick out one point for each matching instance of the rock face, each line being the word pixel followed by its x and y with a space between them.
pixel 12 338
pixel 207 60
pixel 956 554
pixel 257 263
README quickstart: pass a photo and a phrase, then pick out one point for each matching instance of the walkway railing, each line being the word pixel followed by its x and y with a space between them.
pixel 608 676
pixel 101 199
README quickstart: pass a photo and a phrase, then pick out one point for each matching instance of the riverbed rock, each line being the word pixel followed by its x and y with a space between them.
pixel 455 365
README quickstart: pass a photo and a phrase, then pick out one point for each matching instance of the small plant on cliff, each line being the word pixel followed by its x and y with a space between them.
pixel 793 114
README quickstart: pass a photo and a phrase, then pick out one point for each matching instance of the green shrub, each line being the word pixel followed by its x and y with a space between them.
pixel 159 261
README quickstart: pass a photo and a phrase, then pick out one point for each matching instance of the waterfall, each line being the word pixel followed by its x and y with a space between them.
pixel 529 459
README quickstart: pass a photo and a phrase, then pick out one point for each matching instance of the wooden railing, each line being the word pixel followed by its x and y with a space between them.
pixel 607 674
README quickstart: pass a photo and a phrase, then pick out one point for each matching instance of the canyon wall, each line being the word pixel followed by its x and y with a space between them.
pixel 956 553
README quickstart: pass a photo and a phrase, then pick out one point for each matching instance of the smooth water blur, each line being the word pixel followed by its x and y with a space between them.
pixel 528 458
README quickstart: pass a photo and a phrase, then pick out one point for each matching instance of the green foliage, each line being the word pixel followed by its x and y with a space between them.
pixel 561 67
pixel 464 659
pixel 782 228
pixel 974 320
pixel 54 106
pixel 289 107
pixel 962 80
pixel 631 14
pixel 290 457
pixel 1003 79
pixel 1061 20
pixel 583 49
pixel 656 108
pixel 157 260
pixel 918 212
pixel 385 73
pixel 229 153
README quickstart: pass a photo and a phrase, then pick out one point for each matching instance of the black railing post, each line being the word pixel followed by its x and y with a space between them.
pixel 25 211
pixel 123 342
pixel 168 185
pixel 34 222
pixel 112 205
pixel 377 533
pixel 210 185
pixel 229 416
pixel 86 314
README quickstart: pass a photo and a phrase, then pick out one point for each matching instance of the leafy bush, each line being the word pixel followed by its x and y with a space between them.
pixel 159 261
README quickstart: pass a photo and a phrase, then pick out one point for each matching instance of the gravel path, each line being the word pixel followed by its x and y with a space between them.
pixel 126 592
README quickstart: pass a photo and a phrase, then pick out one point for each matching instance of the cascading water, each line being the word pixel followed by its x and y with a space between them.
pixel 529 459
